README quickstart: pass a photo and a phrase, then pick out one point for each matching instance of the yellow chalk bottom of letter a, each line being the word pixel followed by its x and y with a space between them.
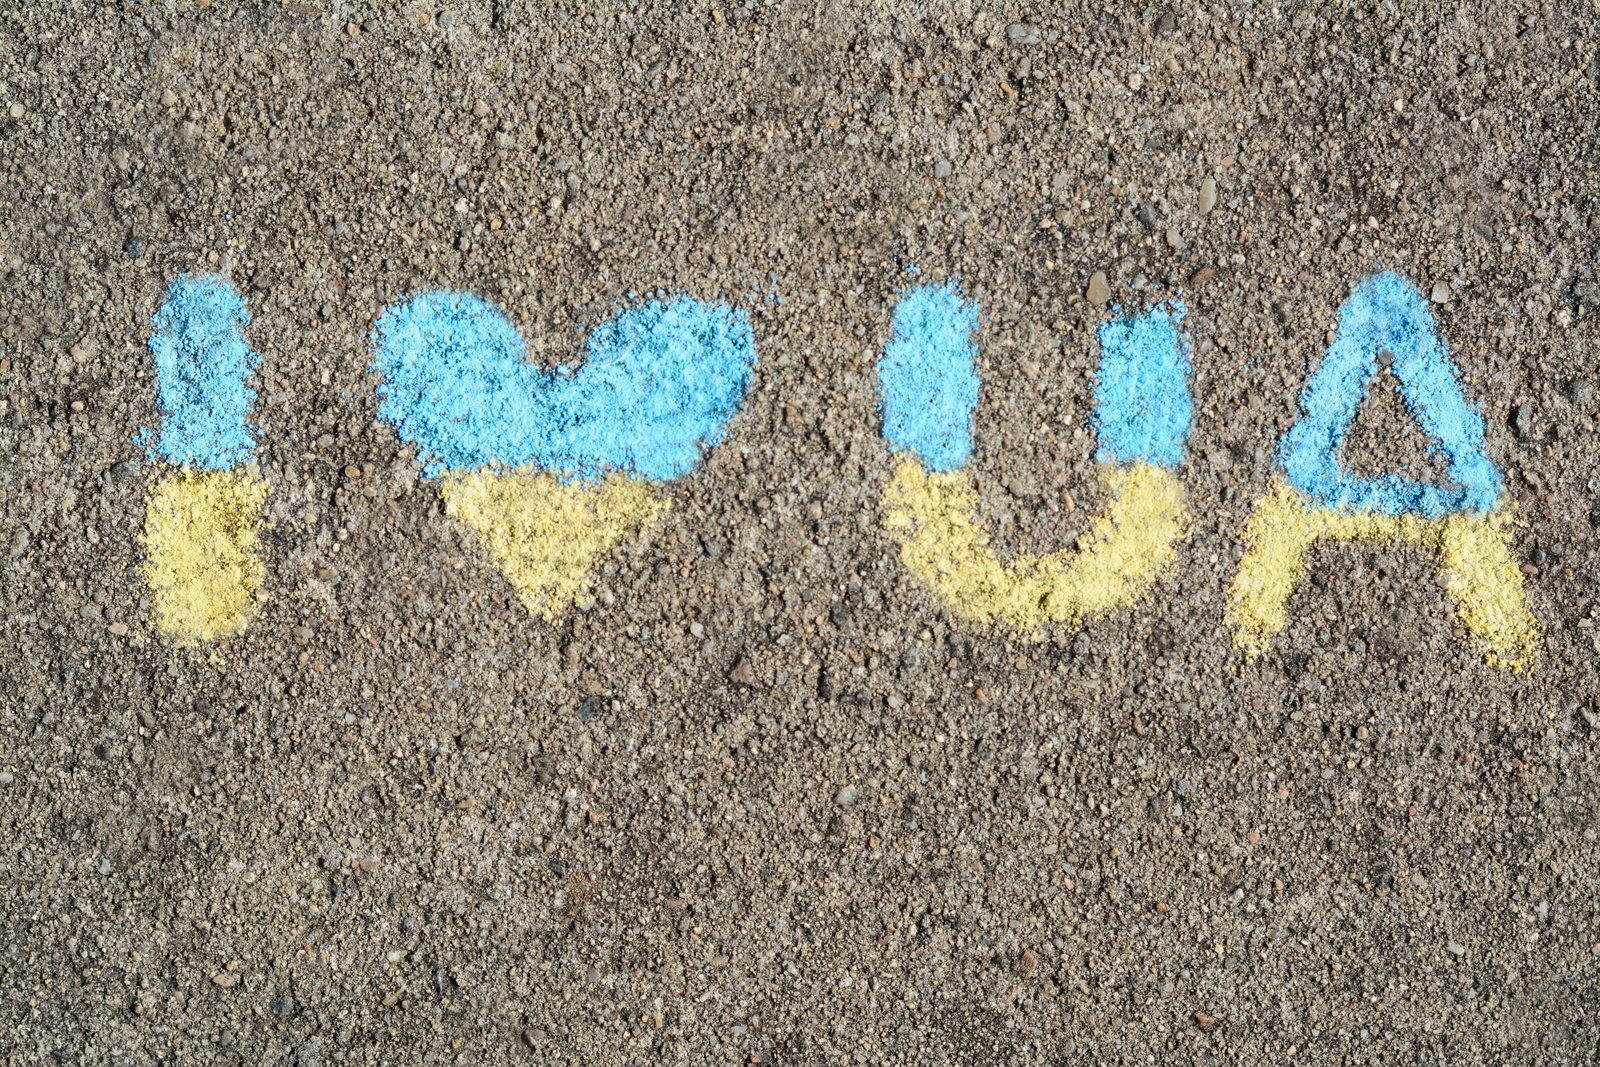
pixel 1474 562
pixel 1126 547
pixel 200 552
pixel 545 534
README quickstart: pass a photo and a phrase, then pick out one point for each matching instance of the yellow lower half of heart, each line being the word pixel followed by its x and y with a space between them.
pixel 1126 547
pixel 544 534
pixel 1475 564
pixel 200 562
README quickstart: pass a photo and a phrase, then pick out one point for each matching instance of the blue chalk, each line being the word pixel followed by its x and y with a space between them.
pixel 658 382
pixel 1386 314
pixel 926 380
pixel 1141 394
pixel 201 364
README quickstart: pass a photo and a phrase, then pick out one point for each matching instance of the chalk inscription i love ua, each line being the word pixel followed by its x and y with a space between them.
pixel 553 469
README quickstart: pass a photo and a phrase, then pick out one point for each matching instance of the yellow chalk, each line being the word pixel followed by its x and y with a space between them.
pixel 199 542
pixel 545 534
pixel 1474 562
pixel 1119 556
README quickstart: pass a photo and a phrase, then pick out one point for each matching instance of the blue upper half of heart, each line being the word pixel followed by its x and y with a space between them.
pixel 658 383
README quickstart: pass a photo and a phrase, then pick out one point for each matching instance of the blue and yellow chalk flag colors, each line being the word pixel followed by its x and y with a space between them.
pixel 554 468
pixel 928 389
pixel 199 534
pixel 1467 523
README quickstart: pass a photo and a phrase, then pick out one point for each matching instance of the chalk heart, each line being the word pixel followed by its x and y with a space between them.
pixel 555 468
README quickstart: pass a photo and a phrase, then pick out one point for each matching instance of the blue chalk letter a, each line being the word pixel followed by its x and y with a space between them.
pixel 1385 313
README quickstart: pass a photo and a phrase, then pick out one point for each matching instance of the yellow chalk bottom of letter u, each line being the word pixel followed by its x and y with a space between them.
pixel 200 561
pixel 545 534
pixel 1474 562
pixel 1126 547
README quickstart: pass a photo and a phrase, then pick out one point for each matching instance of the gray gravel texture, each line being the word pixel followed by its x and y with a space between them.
pixel 747 803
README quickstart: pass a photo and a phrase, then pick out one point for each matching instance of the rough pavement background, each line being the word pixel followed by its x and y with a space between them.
pixel 748 803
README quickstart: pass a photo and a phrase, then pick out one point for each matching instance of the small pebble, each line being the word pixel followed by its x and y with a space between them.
pixel 845 797
pixel 1099 289
pixel 942 169
pixel 1208 195
pixel 446 19
pixel 1441 292
pixel 743 672
pixel 1175 239
pixel 1200 277
pixel 1581 390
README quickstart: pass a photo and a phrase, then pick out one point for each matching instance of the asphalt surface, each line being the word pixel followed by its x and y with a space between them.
pixel 759 797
